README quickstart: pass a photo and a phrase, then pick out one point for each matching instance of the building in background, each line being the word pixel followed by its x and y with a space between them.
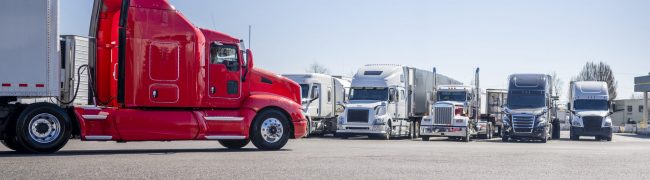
pixel 630 112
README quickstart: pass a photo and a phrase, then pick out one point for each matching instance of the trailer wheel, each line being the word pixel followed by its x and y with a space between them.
pixel 270 130
pixel 43 128
pixel 234 144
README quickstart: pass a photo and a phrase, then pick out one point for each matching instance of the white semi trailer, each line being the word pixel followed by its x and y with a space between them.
pixel 323 98
pixel 388 100
pixel 590 110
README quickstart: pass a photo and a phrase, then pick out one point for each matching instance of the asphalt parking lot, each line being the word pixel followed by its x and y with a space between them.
pixel 626 157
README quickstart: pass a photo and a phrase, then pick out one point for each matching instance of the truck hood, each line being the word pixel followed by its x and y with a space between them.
pixel 364 104
pixel 453 103
pixel 592 113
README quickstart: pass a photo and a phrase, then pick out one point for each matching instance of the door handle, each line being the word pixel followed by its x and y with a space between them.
pixel 213 90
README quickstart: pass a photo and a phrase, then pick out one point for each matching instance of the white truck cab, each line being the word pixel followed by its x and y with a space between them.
pixel 590 109
pixel 322 100
pixel 378 103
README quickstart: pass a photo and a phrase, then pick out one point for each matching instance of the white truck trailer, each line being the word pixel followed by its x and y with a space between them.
pixel 39 66
pixel 322 100
pixel 388 100
pixel 590 110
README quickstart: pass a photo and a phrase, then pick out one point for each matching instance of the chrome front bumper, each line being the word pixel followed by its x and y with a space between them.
pixel 447 131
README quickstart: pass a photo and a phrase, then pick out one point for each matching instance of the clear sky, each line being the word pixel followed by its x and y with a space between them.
pixel 501 37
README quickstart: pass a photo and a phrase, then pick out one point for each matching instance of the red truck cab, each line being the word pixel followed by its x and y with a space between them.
pixel 157 77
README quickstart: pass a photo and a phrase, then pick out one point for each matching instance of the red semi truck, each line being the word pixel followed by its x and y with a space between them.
pixel 153 76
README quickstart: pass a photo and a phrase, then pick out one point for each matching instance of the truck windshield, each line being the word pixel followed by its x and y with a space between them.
pixel 590 104
pixel 378 94
pixel 452 96
pixel 304 88
pixel 521 99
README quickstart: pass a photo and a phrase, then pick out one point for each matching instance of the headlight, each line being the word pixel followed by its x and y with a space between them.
pixel 506 120
pixel 576 121
pixel 608 122
pixel 541 120
pixel 380 110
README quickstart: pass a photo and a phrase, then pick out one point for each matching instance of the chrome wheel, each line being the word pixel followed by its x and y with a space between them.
pixel 44 128
pixel 272 130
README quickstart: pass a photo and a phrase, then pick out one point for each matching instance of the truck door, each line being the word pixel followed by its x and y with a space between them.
pixel 224 71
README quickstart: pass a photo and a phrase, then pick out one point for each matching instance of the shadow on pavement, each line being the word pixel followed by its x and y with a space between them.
pixel 634 136
pixel 127 151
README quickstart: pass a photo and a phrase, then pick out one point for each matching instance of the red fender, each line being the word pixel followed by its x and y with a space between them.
pixel 259 101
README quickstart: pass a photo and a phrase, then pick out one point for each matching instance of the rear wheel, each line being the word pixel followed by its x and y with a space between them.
pixel 43 128
pixel 575 137
pixel 234 144
pixel 270 130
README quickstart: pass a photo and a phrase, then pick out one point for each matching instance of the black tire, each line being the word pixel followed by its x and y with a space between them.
pixel 234 144
pixel 10 142
pixel 505 138
pixel 43 113
pixel 412 130
pixel 608 138
pixel 467 136
pixel 556 129
pixel 256 130
pixel 308 134
pixel 425 138
pixel 573 137
pixel 545 136
pixel 417 129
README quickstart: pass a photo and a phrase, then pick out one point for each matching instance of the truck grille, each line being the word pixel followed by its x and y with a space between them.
pixel 523 123
pixel 358 115
pixel 592 123
pixel 443 115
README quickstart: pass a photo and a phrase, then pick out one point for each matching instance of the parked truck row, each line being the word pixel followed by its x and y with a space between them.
pixel 146 73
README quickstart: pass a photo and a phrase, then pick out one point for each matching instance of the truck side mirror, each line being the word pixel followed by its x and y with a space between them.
pixel 248 64
pixel 249 58
pixel 315 94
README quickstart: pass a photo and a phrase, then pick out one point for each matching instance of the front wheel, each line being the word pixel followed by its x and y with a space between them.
pixel 270 130
pixel 556 129
pixel 43 128
pixel 234 144
pixel 425 138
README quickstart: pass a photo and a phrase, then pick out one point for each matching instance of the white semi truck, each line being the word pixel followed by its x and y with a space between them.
pixel 590 110
pixel 388 100
pixel 323 98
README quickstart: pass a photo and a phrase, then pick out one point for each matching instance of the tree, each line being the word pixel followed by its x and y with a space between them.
pixel 317 68
pixel 557 84
pixel 599 72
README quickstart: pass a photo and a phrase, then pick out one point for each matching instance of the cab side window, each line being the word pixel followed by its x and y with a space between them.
pixel 226 55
